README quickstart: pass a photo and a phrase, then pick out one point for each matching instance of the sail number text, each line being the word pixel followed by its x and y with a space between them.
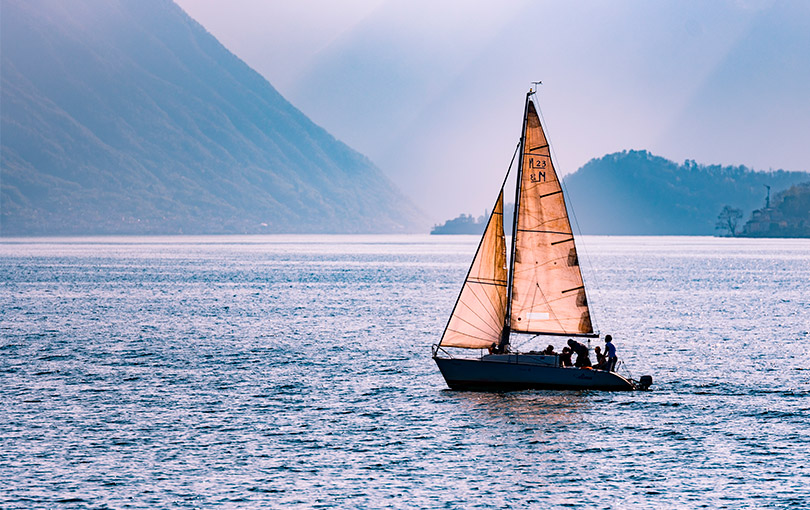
pixel 540 166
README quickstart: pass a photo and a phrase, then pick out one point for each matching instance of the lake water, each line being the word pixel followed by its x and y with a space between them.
pixel 257 372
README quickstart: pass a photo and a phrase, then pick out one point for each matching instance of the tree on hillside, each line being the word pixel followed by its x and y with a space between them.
pixel 728 219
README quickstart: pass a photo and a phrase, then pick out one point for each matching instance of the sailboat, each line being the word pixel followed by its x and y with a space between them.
pixel 541 292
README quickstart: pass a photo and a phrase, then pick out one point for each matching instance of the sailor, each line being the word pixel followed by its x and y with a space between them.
pixel 565 357
pixel 610 353
pixel 582 353
pixel 601 359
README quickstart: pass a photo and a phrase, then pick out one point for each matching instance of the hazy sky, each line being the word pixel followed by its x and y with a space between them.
pixel 432 91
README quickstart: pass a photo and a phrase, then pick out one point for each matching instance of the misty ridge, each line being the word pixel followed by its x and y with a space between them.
pixel 125 117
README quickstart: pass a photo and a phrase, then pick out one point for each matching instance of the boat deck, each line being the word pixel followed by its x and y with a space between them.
pixel 525 371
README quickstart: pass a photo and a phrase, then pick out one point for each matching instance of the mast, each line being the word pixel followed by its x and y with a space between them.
pixel 507 326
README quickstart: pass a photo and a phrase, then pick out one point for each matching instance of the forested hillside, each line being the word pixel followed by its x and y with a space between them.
pixel 638 193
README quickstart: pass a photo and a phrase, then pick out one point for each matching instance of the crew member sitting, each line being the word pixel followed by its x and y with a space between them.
pixel 565 357
pixel 601 359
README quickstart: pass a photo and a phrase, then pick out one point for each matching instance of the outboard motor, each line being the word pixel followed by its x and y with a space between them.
pixel 645 382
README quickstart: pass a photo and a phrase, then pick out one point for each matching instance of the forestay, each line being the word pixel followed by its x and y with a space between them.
pixel 478 317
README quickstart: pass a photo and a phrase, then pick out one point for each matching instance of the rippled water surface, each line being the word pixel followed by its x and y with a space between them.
pixel 295 371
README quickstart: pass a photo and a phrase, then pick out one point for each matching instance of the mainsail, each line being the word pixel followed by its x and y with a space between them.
pixel 548 295
pixel 478 318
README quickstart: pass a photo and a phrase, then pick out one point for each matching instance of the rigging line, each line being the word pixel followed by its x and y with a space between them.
pixel 533 270
pixel 593 277
pixel 480 243
pixel 537 265
pixel 560 298
pixel 492 331
pixel 500 195
pixel 538 219
pixel 554 333
pixel 479 317
pixel 560 318
pixel 483 302
pixel 471 336
pixel 510 167
pixel 551 309
pixel 490 310
pixel 546 300
pixel 472 326
pixel 537 288
pixel 469 270
pixel 538 224
pixel 507 321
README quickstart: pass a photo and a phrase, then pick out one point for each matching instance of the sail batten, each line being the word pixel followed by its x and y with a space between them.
pixel 543 232
pixel 574 335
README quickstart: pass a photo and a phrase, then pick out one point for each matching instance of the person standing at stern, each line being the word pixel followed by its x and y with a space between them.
pixel 610 352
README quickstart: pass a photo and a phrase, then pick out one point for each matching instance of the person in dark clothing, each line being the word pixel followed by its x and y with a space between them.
pixel 582 353
pixel 550 351
pixel 601 360
pixel 610 353
pixel 565 357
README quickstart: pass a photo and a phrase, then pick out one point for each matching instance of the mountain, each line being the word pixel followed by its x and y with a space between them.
pixel 637 193
pixel 124 116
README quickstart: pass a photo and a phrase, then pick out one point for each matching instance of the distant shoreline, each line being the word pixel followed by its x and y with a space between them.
pixel 227 237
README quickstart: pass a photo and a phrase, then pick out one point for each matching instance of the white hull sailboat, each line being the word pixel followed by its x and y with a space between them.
pixel 540 293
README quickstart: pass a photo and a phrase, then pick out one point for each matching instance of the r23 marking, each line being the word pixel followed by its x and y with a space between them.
pixel 538 165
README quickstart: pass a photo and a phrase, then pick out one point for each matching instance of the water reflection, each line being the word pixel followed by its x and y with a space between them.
pixel 531 407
